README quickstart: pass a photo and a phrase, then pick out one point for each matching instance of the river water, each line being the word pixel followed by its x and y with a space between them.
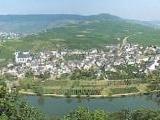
pixel 52 106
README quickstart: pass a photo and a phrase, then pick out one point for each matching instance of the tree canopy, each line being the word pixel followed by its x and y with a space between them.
pixel 12 107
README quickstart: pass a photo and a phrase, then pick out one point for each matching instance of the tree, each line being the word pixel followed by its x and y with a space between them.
pixel 38 90
pixel 44 76
pixel 85 114
pixel 100 115
pixel 145 115
pixel 29 74
pixel 3 117
pixel 12 107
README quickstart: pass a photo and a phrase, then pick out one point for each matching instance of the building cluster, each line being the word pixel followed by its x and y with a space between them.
pixel 7 36
pixel 57 63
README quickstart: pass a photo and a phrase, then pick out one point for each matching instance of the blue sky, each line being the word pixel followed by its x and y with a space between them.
pixel 132 9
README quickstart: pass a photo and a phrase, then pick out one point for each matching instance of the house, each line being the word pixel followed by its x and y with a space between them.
pixel 22 57
pixel 158 51
pixel 152 65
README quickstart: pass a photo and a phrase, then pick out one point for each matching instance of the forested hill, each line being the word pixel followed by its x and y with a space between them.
pixel 35 23
pixel 97 31
pixel 76 32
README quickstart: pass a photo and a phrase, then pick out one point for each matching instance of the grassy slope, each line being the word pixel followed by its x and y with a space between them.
pixel 97 34
pixel 87 34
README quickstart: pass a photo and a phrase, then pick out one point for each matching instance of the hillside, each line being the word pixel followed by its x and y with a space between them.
pixel 27 24
pixel 82 32
pixel 96 31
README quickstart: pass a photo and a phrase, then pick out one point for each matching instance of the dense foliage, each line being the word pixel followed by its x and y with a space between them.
pixel 86 114
pixel 125 72
pixel 13 108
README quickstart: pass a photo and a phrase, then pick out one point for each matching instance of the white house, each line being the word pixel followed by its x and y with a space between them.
pixel 22 57
pixel 153 65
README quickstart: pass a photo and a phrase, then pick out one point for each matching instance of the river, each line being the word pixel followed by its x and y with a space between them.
pixel 60 106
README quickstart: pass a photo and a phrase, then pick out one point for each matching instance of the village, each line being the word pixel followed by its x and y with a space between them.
pixel 8 36
pixel 57 63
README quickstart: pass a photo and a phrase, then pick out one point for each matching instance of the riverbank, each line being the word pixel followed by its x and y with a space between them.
pixel 59 106
pixel 89 96
pixel 85 89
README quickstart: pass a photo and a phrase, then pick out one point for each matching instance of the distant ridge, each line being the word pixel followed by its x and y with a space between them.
pixel 36 23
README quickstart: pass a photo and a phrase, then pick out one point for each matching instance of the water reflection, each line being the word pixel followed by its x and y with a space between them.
pixel 154 97
pixel 79 100
pixel 110 99
pixel 41 100
pixel 68 100
pixel 61 106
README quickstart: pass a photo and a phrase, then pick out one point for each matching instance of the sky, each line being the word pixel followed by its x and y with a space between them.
pixel 130 9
